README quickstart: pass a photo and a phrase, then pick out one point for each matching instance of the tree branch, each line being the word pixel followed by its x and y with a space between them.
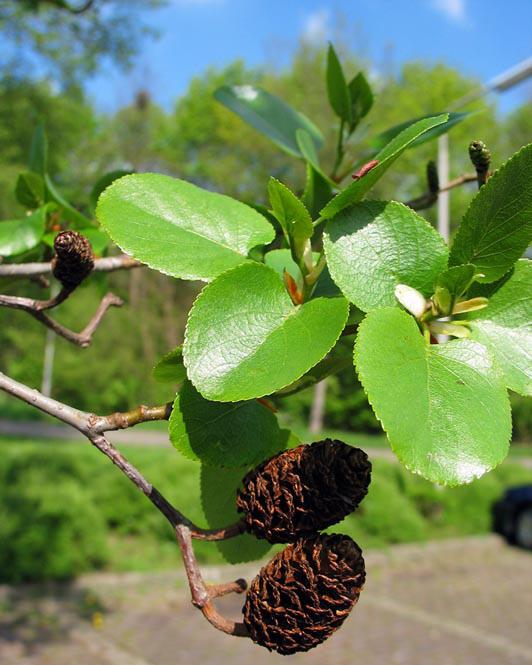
pixel 36 307
pixel 107 264
pixel 93 428
pixel 429 198
pixel 201 594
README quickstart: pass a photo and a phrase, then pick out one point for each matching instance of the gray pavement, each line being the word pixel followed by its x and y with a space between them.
pixel 456 602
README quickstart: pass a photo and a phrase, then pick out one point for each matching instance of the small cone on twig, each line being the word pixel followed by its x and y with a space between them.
pixel 304 593
pixel 480 157
pixel 303 490
pixel 73 259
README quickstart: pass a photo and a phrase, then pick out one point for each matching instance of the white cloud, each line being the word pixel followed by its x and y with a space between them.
pixel 316 26
pixel 455 10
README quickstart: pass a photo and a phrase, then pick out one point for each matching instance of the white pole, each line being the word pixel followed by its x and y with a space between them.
pixel 443 198
pixel 49 353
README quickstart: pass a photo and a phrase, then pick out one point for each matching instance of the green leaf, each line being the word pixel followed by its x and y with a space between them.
pixel 457 279
pixel 246 339
pixel 505 328
pixel 29 190
pixel 361 98
pixel 291 214
pixel 318 191
pixel 178 228
pixel 337 90
pixel 66 209
pixel 386 157
pixel 218 498
pixel 19 236
pixel 281 260
pixel 451 284
pixel 38 159
pixel 104 182
pixel 269 115
pixel 373 246
pixel 379 141
pixel 222 434
pixel 497 227
pixel 444 406
pixel 170 368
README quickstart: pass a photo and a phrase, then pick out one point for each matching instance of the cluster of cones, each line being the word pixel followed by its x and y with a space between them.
pixel 308 589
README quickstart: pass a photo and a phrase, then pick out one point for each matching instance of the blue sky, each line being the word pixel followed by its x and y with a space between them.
pixel 480 37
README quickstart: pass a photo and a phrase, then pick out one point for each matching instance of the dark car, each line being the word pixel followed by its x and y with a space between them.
pixel 512 516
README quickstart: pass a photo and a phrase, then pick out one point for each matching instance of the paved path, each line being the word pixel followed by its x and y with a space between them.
pixel 455 602
pixel 146 437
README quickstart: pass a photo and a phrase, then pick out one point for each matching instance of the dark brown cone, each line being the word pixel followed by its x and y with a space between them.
pixel 73 259
pixel 304 593
pixel 303 490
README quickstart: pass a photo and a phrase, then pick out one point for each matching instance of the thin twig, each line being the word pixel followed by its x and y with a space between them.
pixel 91 426
pixel 83 338
pixel 201 594
pixel 107 264
pixel 428 199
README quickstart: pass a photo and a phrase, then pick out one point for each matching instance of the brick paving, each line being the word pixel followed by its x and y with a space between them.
pixel 456 602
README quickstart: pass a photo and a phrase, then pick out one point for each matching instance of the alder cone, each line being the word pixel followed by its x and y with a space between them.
pixel 73 260
pixel 303 490
pixel 304 593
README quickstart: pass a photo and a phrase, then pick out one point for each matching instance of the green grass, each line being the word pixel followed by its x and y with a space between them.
pixel 65 509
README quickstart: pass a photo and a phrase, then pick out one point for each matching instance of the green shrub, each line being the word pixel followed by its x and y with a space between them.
pixel 50 527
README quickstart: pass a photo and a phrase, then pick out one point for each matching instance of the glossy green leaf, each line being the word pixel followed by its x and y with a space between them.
pixel 291 214
pixel 218 499
pixel 361 98
pixel 337 89
pixel 246 339
pixel 497 227
pixel 444 407
pixel 457 279
pixel 29 190
pixel 104 182
pixel 281 260
pixel 226 434
pixel 38 160
pixel 318 191
pixel 505 328
pixel 170 368
pixel 386 157
pixel 451 284
pixel 268 114
pixel 178 228
pixel 373 246
pixel 385 137
pixel 19 236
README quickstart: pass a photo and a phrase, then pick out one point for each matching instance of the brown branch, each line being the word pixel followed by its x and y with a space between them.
pixel 107 264
pixel 92 427
pixel 429 198
pixel 201 594
pixel 36 309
